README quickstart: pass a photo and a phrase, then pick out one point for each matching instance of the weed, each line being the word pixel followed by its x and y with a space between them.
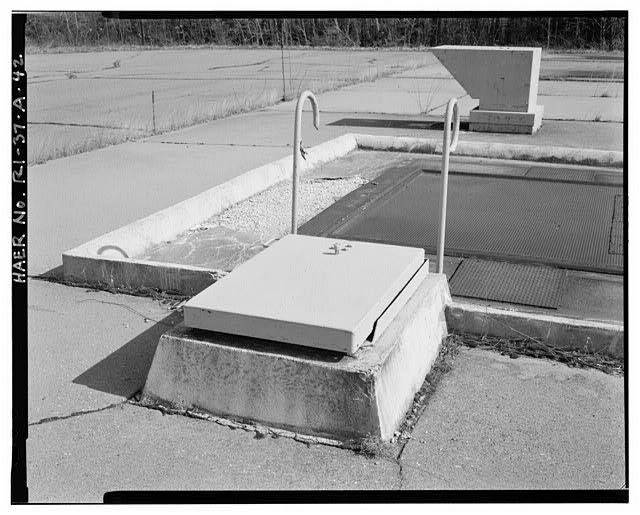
pixel 537 348
pixel 441 366
pixel 425 99
pixel 374 447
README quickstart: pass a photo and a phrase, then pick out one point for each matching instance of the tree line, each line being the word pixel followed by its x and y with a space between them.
pixel 92 29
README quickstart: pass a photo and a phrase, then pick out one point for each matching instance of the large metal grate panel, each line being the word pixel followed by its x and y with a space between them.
pixel 543 222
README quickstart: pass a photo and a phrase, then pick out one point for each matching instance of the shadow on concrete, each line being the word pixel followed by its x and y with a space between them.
pixel 395 124
pixel 56 274
pixel 124 372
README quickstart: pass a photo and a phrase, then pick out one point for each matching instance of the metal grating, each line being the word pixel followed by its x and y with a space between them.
pixel 530 285
pixel 616 237
pixel 618 208
pixel 568 174
pixel 574 175
pixel 532 221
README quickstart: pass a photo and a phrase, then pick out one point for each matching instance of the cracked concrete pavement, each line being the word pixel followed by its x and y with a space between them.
pixel 492 423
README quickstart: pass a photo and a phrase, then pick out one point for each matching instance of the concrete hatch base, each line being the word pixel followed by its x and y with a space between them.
pixel 309 391
pixel 512 122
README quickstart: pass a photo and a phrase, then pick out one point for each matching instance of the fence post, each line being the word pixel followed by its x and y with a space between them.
pixel 153 109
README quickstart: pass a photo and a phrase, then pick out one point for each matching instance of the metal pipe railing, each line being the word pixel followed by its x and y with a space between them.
pixel 298 151
pixel 448 145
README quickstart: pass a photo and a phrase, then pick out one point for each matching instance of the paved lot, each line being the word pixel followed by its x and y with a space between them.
pixel 76 100
pixel 492 423
pixel 84 100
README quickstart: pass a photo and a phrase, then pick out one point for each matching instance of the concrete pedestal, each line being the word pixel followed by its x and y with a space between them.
pixel 512 122
pixel 305 390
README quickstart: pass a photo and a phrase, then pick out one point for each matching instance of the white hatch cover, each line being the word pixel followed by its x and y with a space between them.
pixel 306 290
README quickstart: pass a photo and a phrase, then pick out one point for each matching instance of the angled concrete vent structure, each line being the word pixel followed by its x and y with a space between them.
pixel 503 79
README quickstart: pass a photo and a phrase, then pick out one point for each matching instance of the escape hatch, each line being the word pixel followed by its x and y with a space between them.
pixel 319 292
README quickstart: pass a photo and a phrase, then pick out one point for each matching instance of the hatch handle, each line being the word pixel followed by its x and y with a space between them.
pixel 298 151
pixel 449 144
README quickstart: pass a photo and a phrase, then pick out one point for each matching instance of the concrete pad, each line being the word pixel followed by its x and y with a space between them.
pixel 133 448
pixel 88 350
pixel 407 96
pixel 502 78
pixel 266 128
pixel 582 67
pixel 574 89
pixel 593 297
pixel 501 423
pixel 306 390
pixel 595 109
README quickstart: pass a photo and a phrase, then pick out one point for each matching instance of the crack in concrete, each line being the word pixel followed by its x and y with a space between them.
pixel 400 474
pixel 401 465
pixel 48 420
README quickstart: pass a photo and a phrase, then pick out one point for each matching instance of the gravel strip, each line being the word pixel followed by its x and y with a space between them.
pixel 268 214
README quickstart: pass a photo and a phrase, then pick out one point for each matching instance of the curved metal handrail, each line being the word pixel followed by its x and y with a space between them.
pixel 448 145
pixel 297 150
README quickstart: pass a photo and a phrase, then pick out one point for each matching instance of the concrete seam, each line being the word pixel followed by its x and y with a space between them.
pixel 261 430
pixel 199 143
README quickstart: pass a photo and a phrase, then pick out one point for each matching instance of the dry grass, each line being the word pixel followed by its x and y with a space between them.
pixel 425 97
pixel 537 348
pixel 375 447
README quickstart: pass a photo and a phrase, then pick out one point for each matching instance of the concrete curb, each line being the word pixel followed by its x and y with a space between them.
pixel 556 331
pixel 564 155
